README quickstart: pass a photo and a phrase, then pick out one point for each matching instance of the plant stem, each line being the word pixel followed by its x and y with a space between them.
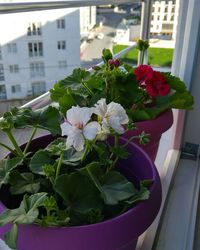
pixel 12 139
pixel 59 164
pixel 88 89
pixel 8 148
pixel 142 57
pixel 30 140
pixel 130 139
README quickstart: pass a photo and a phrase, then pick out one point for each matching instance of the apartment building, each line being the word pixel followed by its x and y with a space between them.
pixel 87 20
pixel 39 48
pixel 164 18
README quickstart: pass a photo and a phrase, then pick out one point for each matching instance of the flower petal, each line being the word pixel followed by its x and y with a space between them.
pixel 66 128
pixel 116 110
pixel 79 142
pixel 100 108
pixel 91 129
pixel 77 115
pixel 115 123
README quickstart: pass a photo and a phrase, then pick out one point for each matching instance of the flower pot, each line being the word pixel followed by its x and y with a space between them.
pixel 155 127
pixel 118 233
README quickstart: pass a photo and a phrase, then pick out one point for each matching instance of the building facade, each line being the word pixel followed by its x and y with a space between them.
pixel 36 50
pixel 164 18
pixel 87 20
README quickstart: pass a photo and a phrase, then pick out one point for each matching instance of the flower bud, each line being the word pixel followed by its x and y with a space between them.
pixel 110 61
pixel 116 63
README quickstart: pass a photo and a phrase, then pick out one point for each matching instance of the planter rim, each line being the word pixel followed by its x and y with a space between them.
pixel 165 118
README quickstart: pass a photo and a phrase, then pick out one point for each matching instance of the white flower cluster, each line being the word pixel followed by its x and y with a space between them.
pixel 78 126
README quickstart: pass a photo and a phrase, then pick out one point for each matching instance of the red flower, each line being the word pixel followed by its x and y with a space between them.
pixel 164 89
pixel 152 90
pixel 143 72
pixel 158 78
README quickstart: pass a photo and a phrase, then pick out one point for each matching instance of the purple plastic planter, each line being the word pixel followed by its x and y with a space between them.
pixel 155 127
pixel 119 233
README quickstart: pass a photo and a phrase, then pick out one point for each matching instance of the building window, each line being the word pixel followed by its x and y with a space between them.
pixel 14 68
pixel 62 64
pixel 158 18
pixel 172 18
pixel 61 23
pixel 173 9
pixel 37 69
pixel 35 49
pixel 12 47
pixel 16 88
pixel 34 29
pixel 38 88
pixel 2 92
pixel 167 26
pixel 61 45
pixel 166 9
pixel 165 18
pixel 2 78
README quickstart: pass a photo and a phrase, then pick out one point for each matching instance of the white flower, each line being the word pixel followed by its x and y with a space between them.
pixel 77 128
pixel 113 116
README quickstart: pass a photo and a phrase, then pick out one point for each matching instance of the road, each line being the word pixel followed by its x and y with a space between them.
pixel 93 51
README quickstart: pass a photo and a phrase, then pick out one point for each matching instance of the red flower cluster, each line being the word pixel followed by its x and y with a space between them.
pixel 152 81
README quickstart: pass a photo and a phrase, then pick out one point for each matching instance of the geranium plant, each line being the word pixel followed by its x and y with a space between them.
pixel 142 91
pixel 74 180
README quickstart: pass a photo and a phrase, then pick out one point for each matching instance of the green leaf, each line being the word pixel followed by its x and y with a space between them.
pixel 174 82
pixel 11 237
pixel 117 188
pixel 78 191
pixel 22 183
pixel 57 146
pixel 27 213
pixel 106 55
pixel 46 118
pixel 5 125
pixel 49 119
pixel 78 75
pixel 146 183
pixel 36 200
pixel 141 195
pixel 39 160
pixel 6 166
pixel 67 97
pixel 73 157
pixel 182 100
pixel 9 215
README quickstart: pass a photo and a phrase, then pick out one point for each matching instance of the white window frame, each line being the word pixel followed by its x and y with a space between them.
pixel 12 48
pixel 37 69
pixel 2 76
pixel 61 45
pixel 14 68
pixel 16 88
pixel 62 64
pixel 38 88
pixel 35 49
pixel 61 23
